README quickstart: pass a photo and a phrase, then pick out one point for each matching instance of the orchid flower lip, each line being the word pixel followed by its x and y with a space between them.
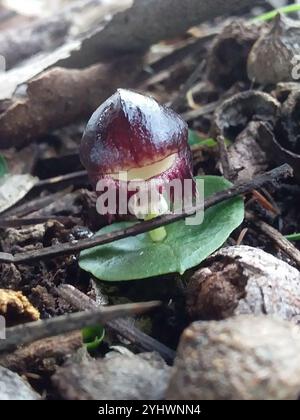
pixel 146 172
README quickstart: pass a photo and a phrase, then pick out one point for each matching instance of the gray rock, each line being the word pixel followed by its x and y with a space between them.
pixel 13 387
pixel 241 358
pixel 242 280
pixel 119 376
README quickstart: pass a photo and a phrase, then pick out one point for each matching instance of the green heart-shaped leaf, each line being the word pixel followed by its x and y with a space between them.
pixel 185 246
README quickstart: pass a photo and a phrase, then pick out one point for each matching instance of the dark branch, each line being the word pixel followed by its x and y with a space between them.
pixel 28 333
pixel 275 175
pixel 120 326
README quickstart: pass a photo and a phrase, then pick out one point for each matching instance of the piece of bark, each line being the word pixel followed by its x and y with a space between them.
pixel 43 356
pixel 244 280
pixel 59 97
pixel 117 377
pixel 246 156
pixel 241 358
pixel 13 387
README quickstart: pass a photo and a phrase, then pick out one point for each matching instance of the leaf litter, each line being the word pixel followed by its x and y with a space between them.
pixel 258 120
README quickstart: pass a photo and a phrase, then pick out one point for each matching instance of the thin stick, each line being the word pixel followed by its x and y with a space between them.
pixel 28 333
pixel 121 326
pixel 276 174
pixel 203 110
pixel 26 221
pixel 72 177
pixel 32 206
pixel 284 244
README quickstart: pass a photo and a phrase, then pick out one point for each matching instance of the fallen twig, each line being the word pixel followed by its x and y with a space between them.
pixel 79 176
pixel 203 110
pixel 283 171
pixel 32 206
pixel 28 333
pixel 121 326
pixel 284 244
pixel 26 221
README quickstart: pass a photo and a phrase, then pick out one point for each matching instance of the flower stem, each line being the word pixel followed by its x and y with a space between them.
pixel 159 234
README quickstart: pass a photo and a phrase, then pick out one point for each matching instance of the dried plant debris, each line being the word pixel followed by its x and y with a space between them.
pixel 227 61
pixel 38 281
pixel 246 156
pixel 58 72
pixel 288 127
pixel 10 277
pixel 16 308
pixel 48 58
pixel 282 144
pixel 13 387
pixel 117 33
pixel 24 42
pixel 233 116
pixel 282 90
pixel 244 280
pixel 120 33
pixel 241 358
pixel 45 34
pixel 13 239
pixel 59 97
pixel 118 377
pixel 43 356
pixel 13 188
pixel 239 119
pixel 271 59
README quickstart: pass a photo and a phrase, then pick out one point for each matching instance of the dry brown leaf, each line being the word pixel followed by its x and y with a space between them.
pixel 59 97
pixel 135 27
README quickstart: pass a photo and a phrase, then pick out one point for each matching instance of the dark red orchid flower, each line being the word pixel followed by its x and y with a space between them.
pixel 132 137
